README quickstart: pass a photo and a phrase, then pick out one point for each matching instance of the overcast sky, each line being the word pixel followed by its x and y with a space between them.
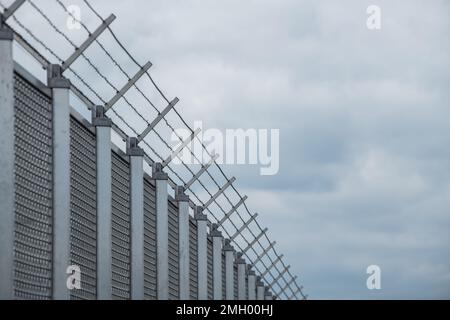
pixel 363 117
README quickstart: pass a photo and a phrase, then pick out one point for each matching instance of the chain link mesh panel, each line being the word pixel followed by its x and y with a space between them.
pixel 33 196
pixel 209 269
pixel 149 241
pixel 173 252
pixel 121 266
pixel 83 203
pixel 193 261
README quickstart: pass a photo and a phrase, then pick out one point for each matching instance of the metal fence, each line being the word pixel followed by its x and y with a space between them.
pixel 118 210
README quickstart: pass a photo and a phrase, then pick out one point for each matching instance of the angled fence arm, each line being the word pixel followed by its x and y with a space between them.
pixel 12 9
pixel 180 148
pixel 264 253
pixel 92 37
pixel 272 265
pixel 155 122
pixel 218 193
pixel 227 216
pixel 202 171
pixel 251 244
pixel 244 226
pixel 127 86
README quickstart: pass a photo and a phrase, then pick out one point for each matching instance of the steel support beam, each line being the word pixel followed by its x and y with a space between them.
pixel 127 87
pixel 92 37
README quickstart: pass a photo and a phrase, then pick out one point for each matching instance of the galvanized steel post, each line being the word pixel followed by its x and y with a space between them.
pixel 217 262
pixel 202 252
pixel 162 233
pixel 183 244
pixel 260 289
pixel 61 180
pixel 229 270
pixel 242 283
pixel 136 155
pixel 7 179
pixel 251 285
pixel 102 126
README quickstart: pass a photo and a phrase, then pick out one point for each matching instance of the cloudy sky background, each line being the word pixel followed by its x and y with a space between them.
pixel 363 115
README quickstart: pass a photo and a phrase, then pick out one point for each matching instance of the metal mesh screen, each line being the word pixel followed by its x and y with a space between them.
pixel 173 252
pixel 193 261
pixel 83 203
pixel 120 228
pixel 235 276
pixel 149 241
pixel 210 267
pixel 33 197
pixel 224 287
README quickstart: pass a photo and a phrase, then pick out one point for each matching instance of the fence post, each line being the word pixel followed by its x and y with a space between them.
pixel 259 289
pixel 202 252
pixel 162 232
pixel 61 180
pixel 217 262
pixel 102 126
pixel 136 155
pixel 251 285
pixel 268 294
pixel 229 270
pixel 7 207
pixel 241 277
pixel 183 244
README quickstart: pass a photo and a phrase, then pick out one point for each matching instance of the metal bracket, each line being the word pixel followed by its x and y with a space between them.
pixel 92 37
pixel 180 195
pixel 99 119
pixel 158 119
pixel 130 83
